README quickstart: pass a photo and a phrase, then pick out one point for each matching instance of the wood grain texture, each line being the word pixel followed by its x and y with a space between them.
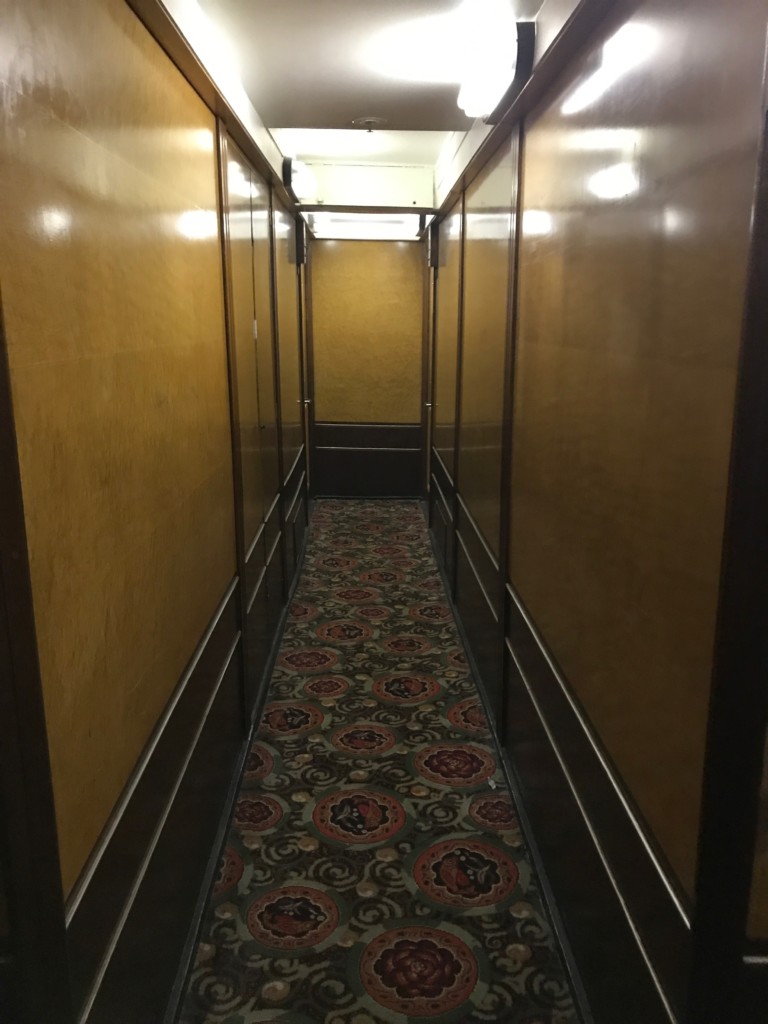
pixel 367 321
pixel 111 276
pixel 488 205
pixel 447 336
pixel 630 315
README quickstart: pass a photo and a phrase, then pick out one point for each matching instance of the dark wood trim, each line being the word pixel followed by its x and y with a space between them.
pixel 137 979
pixel 161 26
pixel 368 460
pixel 459 373
pixel 475 602
pixel 433 268
pixel 738 711
pixel 404 436
pixel 607 958
pixel 506 506
pixel 277 383
pixel 35 959
pixel 125 855
pixel 222 163
pixel 310 339
pixel 655 905
pixel 427 312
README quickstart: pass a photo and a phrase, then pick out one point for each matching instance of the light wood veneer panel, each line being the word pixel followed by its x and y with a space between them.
pixel 630 318
pixel 367 319
pixel 111 277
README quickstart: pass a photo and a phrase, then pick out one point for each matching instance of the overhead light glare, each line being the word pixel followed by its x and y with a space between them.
pixel 197 225
pixel 537 223
pixel 633 44
pixel 487 28
pixel 615 182
pixel 54 223
pixel 473 46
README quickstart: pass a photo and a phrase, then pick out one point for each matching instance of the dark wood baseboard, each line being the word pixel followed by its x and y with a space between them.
pixel 367 460
pixel 624 914
pixel 128 916
pixel 477 598
pixel 627 940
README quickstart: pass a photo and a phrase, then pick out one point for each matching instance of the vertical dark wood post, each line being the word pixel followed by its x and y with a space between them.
pixel 34 962
pixel 505 495
pixel 454 539
pixel 234 411
pixel 278 393
pixel 738 712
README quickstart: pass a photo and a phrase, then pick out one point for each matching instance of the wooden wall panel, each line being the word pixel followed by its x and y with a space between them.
pixel 242 316
pixel 447 337
pixel 111 277
pixel 288 336
pixel 367 304
pixel 262 293
pixel 488 222
pixel 632 285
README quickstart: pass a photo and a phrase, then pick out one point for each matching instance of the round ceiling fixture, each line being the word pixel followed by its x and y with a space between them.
pixel 369 123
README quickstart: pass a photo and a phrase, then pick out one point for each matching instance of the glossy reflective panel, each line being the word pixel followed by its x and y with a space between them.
pixel 488 223
pixel 112 292
pixel 446 336
pixel 239 187
pixel 367 330
pixel 262 296
pixel 288 334
pixel 635 237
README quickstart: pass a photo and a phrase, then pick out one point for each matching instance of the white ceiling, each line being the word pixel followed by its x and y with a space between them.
pixel 383 147
pixel 302 62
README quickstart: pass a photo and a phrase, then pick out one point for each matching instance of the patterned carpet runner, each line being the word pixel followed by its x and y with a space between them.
pixel 374 872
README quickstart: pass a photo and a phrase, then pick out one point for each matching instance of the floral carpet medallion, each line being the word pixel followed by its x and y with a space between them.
pixel 375 871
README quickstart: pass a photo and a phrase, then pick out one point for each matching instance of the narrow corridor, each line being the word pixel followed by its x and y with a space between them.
pixel 375 869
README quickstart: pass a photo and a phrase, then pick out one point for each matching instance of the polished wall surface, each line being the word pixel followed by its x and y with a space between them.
pixel 262 300
pixel 488 224
pixel 638 195
pixel 111 276
pixel 447 337
pixel 286 282
pixel 239 188
pixel 367 331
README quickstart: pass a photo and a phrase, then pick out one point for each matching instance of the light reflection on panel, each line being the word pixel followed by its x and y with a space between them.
pixel 631 290
pixel 446 337
pixel 489 204
pixel 288 335
pixel 262 293
pixel 241 264
pixel 110 264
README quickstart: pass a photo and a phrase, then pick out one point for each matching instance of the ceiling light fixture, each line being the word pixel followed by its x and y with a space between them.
pixel 487 28
pixel 473 46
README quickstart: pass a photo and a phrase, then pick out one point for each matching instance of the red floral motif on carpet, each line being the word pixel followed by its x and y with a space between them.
pixel 421 972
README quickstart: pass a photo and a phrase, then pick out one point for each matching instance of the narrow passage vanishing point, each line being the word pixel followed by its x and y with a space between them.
pixel 375 871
